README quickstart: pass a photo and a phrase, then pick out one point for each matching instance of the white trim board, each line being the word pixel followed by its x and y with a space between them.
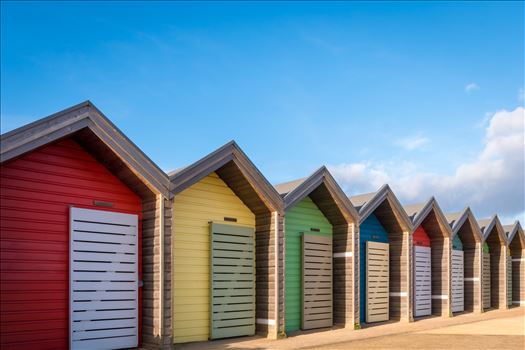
pixel 343 255
pixel 265 321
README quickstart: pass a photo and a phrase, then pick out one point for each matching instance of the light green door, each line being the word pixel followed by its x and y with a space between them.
pixel 232 281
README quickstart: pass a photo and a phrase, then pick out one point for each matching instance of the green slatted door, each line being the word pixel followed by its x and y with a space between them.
pixel 232 281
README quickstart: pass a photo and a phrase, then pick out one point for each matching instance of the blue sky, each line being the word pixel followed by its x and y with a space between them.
pixel 405 88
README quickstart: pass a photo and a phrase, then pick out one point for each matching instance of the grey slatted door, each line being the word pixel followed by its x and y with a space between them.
pixel 232 310
pixel 458 296
pixel 103 279
pixel 317 282
pixel 422 285
pixel 377 282
pixel 509 280
pixel 486 280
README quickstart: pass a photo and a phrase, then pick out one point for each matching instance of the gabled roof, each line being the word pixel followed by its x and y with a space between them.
pixel 513 230
pixel 81 117
pixel 487 225
pixel 367 203
pixel 295 191
pixel 456 221
pixel 419 212
pixel 229 153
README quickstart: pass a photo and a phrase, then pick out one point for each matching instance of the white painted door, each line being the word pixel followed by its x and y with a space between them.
pixel 377 282
pixel 458 304
pixel 103 279
pixel 422 285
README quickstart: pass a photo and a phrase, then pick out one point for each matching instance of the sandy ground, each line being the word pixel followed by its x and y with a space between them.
pixel 500 330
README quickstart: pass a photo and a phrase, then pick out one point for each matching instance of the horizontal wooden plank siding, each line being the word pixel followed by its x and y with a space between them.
pixel 269 231
pixel 346 288
pixel 208 200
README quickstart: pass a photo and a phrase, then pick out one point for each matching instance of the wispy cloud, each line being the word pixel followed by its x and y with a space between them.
pixel 412 143
pixel 471 87
pixel 492 182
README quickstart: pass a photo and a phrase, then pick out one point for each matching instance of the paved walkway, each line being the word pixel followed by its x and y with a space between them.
pixel 490 330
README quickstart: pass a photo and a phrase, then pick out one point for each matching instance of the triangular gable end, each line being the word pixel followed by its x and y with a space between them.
pixel 494 223
pixel 230 162
pixel 87 123
pixel 385 193
pixel 466 217
pixel 421 215
pixel 516 230
pixel 320 185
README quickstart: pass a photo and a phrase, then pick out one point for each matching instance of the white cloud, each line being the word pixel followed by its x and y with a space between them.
pixel 494 182
pixel 411 143
pixel 471 87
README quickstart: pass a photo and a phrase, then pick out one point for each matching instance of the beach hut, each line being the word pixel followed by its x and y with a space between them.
pixel 431 235
pixel 494 260
pixel 467 251
pixel 227 249
pixel 516 244
pixel 82 226
pixel 319 236
pixel 384 241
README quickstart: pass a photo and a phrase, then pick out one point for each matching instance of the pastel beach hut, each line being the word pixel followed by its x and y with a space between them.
pixel 431 239
pixel 83 219
pixel 226 250
pixel 320 234
pixel 384 257
pixel 495 241
pixel 466 259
